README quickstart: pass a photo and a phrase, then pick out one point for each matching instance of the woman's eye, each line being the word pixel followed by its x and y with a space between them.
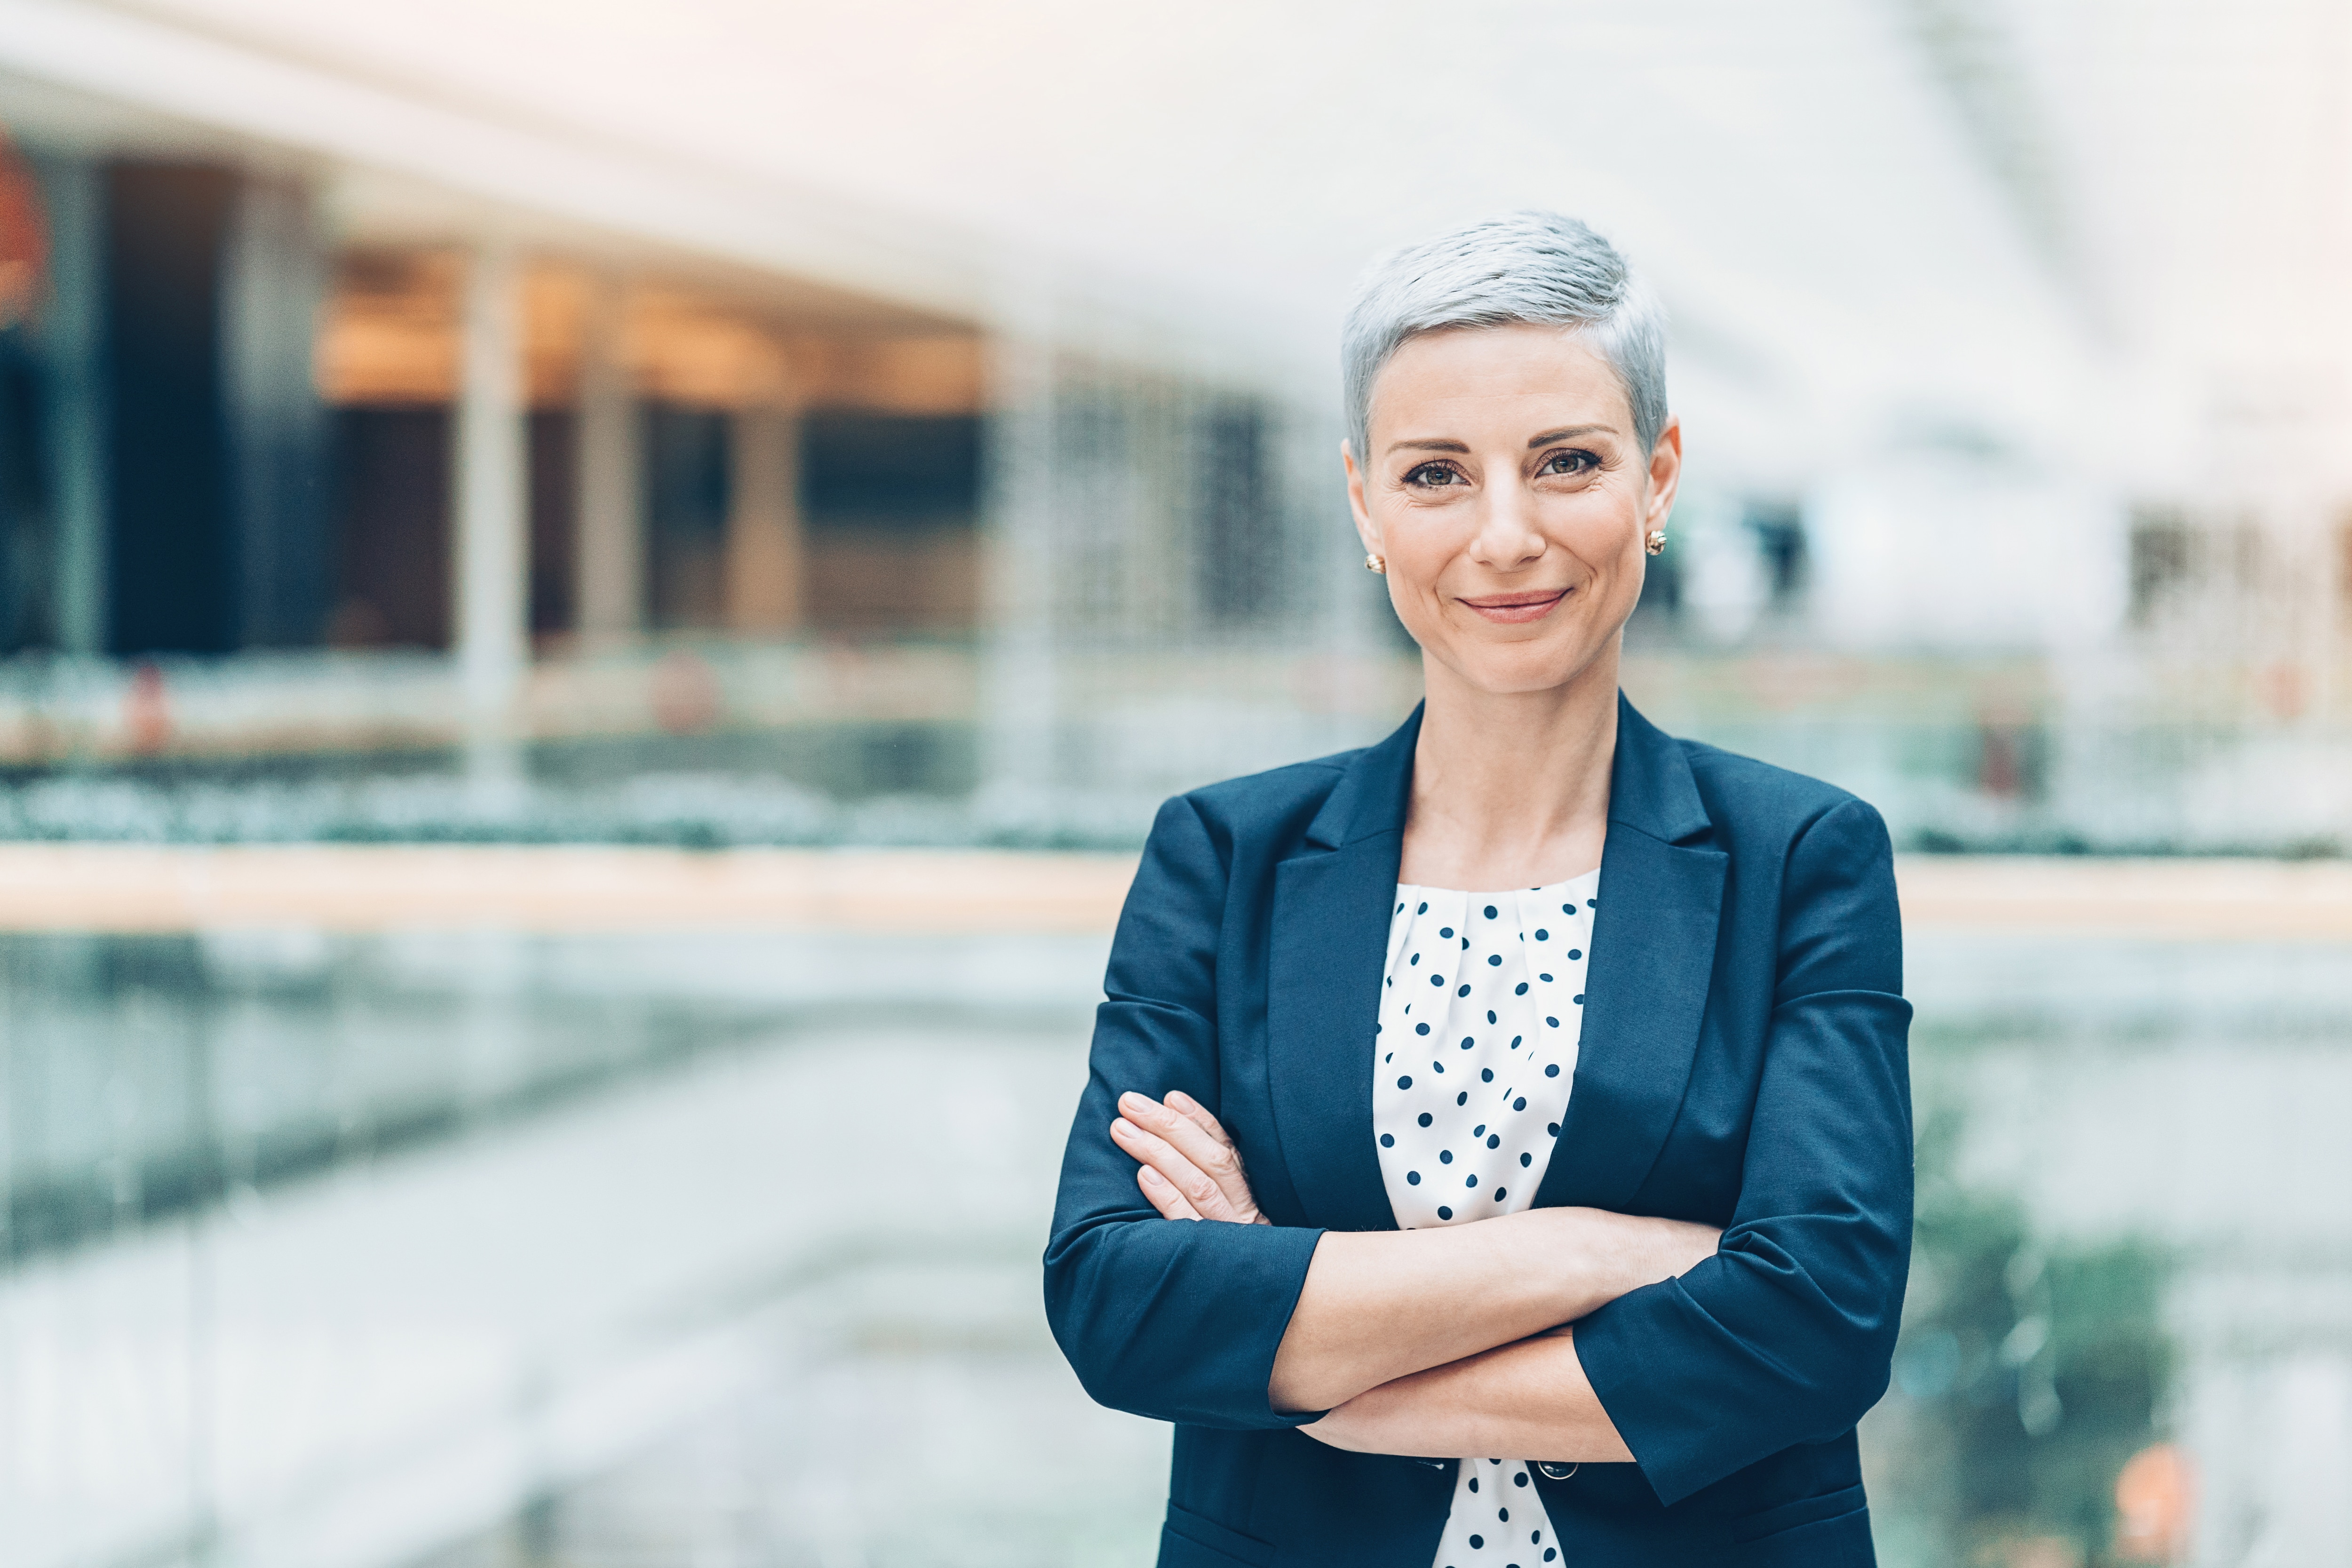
pixel 1568 463
pixel 1432 474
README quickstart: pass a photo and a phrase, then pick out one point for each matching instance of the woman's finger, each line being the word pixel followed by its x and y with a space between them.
pixel 1184 1105
pixel 1188 1179
pixel 1163 1197
pixel 1212 1154
pixel 1236 1187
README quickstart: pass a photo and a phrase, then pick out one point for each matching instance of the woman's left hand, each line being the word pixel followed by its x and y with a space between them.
pixel 1190 1168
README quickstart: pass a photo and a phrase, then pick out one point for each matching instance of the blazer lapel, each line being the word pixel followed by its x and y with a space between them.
pixel 1653 937
pixel 1330 920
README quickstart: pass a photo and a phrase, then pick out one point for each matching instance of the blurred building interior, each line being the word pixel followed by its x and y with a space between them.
pixel 312 468
pixel 378 396
pixel 909 430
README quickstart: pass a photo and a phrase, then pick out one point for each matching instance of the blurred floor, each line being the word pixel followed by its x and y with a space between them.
pixel 915 1414
pixel 394 1352
pixel 720 1247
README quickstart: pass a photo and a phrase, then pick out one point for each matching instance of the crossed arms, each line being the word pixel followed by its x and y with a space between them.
pixel 1699 1357
pixel 1441 1342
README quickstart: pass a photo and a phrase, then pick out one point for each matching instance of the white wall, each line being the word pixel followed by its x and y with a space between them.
pixel 1942 548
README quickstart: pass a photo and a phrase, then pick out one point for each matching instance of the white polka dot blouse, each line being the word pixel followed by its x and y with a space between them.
pixel 1480 1014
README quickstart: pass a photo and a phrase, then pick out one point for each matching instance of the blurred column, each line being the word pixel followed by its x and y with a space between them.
pixel 764 545
pixel 274 285
pixel 1019 558
pixel 73 328
pixel 609 563
pixel 492 525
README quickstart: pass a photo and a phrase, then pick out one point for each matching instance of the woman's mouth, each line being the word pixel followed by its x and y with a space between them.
pixel 1508 609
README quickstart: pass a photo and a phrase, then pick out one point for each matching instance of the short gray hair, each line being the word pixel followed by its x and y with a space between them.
pixel 1527 266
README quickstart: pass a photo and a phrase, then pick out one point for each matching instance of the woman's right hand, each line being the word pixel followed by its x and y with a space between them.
pixel 1189 1167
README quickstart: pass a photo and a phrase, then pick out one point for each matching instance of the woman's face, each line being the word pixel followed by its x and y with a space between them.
pixel 1506 490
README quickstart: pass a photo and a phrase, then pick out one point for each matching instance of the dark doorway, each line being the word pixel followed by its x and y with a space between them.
pixel 686 481
pixel 25 531
pixel 392 528
pixel 554 519
pixel 892 504
pixel 173 582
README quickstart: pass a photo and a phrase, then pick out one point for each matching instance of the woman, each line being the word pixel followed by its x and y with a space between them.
pixel 1529 1084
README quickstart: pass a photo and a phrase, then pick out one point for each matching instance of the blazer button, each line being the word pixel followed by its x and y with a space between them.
pixel 1557 1472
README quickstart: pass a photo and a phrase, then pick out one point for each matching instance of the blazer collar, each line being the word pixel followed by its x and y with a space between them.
pixel 1330 930
pixel 1653 947
pixel 1654 930
pixel 1650 785
pixel 1373 794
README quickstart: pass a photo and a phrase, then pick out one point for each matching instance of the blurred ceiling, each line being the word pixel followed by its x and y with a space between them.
pixel 2109 234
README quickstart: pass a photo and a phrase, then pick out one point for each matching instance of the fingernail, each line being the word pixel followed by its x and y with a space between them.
pixel 1154 1178
pixel 1131 1101
pixel 1121 1128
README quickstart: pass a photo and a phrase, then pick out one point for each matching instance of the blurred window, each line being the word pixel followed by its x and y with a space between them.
pixel 1241 517
pixel 392 528
pixel 1779 530
pixel 858 468
pixel 387 364
pixel 686 481
pixel 2160 556
pixel 891 503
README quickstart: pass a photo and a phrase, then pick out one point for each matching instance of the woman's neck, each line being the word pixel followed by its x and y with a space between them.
pixel 1511 790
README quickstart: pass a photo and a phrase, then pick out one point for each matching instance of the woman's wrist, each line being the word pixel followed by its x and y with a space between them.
pixel 1528 1398
pixel 1598 1255
pixel 1610 1260
pixel 1409 1416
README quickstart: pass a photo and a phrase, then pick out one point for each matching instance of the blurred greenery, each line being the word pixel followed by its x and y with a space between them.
pixel 2030 1369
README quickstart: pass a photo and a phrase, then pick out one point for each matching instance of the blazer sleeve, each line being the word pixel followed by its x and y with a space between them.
pixel 1173 1320
pixel 1785 1335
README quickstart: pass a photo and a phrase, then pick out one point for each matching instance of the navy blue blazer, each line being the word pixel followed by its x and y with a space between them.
pixel 1742 1063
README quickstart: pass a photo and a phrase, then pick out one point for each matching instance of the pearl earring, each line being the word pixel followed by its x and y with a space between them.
pixel 1656 543
pixel 1377 563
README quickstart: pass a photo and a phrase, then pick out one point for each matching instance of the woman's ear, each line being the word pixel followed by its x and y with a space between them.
pixel 1365 530
pixel 1666 475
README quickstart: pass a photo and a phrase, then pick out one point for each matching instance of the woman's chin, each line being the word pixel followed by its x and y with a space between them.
pixel 1519 670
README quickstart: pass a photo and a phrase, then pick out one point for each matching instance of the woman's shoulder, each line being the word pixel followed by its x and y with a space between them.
pixel 1295 791
pixel 1243 827
pixel 1759 802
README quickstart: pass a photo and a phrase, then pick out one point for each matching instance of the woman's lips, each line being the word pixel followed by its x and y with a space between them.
pixel 1510 608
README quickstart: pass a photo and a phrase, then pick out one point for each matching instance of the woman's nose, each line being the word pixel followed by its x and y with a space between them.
pixel 1508 537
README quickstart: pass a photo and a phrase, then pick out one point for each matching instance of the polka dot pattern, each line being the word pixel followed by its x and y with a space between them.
pixel 1505 980
pixel 1481 1533
pixel 1506 983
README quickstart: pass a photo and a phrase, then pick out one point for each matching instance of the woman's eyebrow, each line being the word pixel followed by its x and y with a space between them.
pixel 1569 432
pixel 1430 444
